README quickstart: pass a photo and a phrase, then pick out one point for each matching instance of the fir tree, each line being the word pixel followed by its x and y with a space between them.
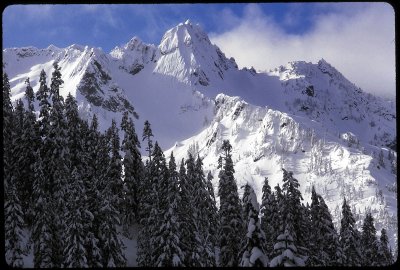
pixel 212 211
pixel 147 134
pixel 158 176
pixel 7 133
pixel 42 236
pixel 253 253
pixel 91 182
pixel 369 245
pixel 30 138
pixel 286 252
pixel 186 214
pixel 349 238
pixel 13 225
pixel 133 168
pixel 42 95
pixel 292 211
pixel 385 257
pixel 269 211
pixel 170 250
pixel 230 216
pixel 75 253
pixel 114 169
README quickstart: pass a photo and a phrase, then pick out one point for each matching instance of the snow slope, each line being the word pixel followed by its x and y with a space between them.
pixel 304 117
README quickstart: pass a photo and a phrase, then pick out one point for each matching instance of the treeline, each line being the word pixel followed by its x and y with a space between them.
pixel 66 182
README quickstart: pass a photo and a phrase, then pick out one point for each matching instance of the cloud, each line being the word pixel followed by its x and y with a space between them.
pixel 358 41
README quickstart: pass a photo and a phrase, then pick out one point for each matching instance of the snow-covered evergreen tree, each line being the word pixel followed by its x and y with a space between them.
pixel 293 212
pixel 369 242
pixel 349 238
pixel 285 251
pixel 133 168
pixel 269 214
pixel 185 212
pixel 75 253
pixel 253 253
pixel 230 215
pixel 7 134
pixel 212 211
pixel 30 138
pixel 170 250
pixel 147 134
pixel 13 225
pixel 385 257
pixel 42 236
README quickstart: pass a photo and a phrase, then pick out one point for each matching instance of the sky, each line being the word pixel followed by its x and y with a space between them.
pixel 356 38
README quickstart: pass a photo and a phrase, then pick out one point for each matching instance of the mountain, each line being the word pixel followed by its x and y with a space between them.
pixel 304 117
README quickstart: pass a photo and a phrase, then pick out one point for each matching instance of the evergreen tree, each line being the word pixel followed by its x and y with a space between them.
pixel 30 138
pixel 286 252
pixel 293 212
pixel 324 249
pixel 253 253
pixel 186 214
pixel 114 169
pixel 75 253
pixel 212 211
pixel 42 95
pixel 158 176
pixel 385 257
pixel 203 201
pixel 230 216
pixel 269 212
pixel 170 250
pixel 349 238
pixel 369 245
pixel 13 225
pixel 91 181
pixel 7 134
pixel 133 168
pixel 147 134
pixel 42 236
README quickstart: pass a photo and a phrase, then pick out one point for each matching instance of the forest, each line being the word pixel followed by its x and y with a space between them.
pixel 77 189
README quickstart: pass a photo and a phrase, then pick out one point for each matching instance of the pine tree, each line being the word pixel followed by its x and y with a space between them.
pixel 147 134
pixel 91 182
pixel 75 253
pixel 324 249
pixel 185 213
pixel 114 169
pixel 42 95
pixel 7 134
pixel 293 213
pixel 31 140
pixel 230 216
pixel 13 225
pixel 170 250
pixel 385 257
pixel 253 253
pixel 203 201
pixel 212 211
pixel 286 252
pixel 369 245
pixel 58 158
pixel 269 211
pixel 349 237
pixel 42 236
pixel 133 168
pixel 158 176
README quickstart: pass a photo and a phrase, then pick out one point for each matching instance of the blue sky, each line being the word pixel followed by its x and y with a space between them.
pixel 351 36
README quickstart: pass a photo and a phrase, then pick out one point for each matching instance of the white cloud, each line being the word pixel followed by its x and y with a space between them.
pixel 356 39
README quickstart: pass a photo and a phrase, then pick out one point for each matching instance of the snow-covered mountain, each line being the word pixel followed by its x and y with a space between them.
pixel 304 117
